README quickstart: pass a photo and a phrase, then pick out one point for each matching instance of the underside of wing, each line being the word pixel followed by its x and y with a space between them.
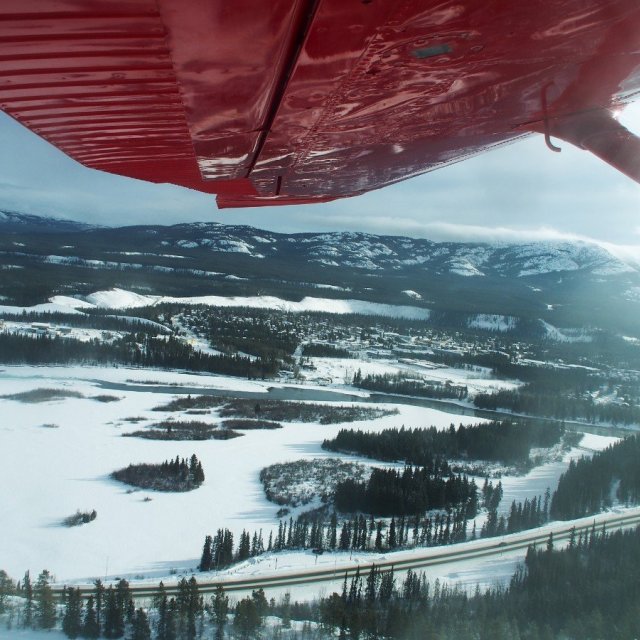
pixel 298 101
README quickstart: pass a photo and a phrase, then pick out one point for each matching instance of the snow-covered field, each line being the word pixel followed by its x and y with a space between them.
pixel 338 371
pixel 120 299
pixel 50 472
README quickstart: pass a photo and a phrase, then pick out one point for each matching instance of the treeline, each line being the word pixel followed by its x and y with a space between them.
pixel 219 552
pixel 532 399
pixel 399 384
pixel 39 607
pixel 359 532
pixel 529 514
pixel 105 613
pixel 277 410
pixel 508 441
pixel 543 376
pixel 588 486
pixel 586 591
pixel 503 365
pixel 138 350
pixel 412 491
pixel 110 613
pixel 591 484
pixel 170 475
pixel 260 334
pixel 88 320
pixel 291 411
pixel 324 351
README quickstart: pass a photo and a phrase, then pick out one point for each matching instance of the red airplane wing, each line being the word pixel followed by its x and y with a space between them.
pixel 296 101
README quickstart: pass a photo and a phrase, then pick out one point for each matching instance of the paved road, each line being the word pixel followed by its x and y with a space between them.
pixel 419 558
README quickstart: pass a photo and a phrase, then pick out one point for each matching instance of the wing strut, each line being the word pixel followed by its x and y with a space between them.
pixel 598 131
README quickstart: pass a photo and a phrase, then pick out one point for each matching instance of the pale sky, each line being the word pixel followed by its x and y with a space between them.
pixel 520 192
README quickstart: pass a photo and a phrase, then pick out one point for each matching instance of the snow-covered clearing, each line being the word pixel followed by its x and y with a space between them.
pixel 341 370
pixel 492 322
pixel 80 334
pixel 535 483
pixel 50 473
pixel 120 299
pixel 58 456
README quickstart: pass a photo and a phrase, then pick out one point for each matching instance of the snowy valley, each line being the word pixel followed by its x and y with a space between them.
pixel 201 355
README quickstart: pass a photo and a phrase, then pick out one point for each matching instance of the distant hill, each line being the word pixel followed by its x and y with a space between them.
pixel 13 222
pixel 565 284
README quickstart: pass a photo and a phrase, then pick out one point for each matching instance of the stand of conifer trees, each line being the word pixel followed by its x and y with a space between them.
pixel 138 350
pixel 412 491
pixel 588 590
pixel 557 403
pixel 400 384
pixel 508 441
pixel 591 484
pixel 170 475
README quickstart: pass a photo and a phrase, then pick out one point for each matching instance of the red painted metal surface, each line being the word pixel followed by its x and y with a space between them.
pixel 296 101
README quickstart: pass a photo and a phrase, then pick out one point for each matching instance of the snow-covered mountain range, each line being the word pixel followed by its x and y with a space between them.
pixel 354 249
pixel 565 283
pixel 21 222
pixel 379 253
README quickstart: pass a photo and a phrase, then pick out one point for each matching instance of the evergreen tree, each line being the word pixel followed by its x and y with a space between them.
pixel 333 531
pixel 247 619
pixel 193 608
pixel 345 537
pixel 199 474
pixel 161 604
pixel 220 610
pixel 171 632
pixel 113 616
pixel 140 627
pixel 45 604
pixel 387 586
pixel 378 542
pixel 372 585
pixel 99 592
pixel 72 618
pixel 28 617
pixel 244 548
pixel 392 541
pixel 286 611
pixel 7 588
pixel 207 556
pixel 182 607
pixel 90 627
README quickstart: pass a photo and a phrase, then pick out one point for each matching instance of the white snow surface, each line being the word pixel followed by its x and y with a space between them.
pixel 120 299
pixel 339 371
pixel 65 469
pixel 46 307
pixel 492 322
pixel 566 335
pixel 68 467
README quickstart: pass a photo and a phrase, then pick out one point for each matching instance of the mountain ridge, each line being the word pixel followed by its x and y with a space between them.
pixel 14 221
pixel 363 250
pixel 567 283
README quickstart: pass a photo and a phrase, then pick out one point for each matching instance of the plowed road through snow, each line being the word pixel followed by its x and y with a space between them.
pixel 419 558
